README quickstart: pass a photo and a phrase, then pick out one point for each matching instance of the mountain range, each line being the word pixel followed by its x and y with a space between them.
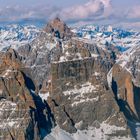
pixel 64 83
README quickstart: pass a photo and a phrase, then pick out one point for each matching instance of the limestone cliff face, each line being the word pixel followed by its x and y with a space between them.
pixel 14 95
pixel 126 92
pixel 80 97
pixel 47 49
pixel 23 115
pixel 12 82
pixel 126 85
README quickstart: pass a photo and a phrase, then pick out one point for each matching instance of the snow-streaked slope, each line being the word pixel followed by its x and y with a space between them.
pixel 126 44
pixel 7 123
pixel 16 35
pixel 106 35
pixel 130 61
pixel 100 133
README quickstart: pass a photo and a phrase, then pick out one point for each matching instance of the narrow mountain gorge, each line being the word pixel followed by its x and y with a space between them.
pixel 65 85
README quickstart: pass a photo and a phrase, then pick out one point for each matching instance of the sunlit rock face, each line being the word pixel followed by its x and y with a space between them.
pixel 126 92
pixel 15 98
pixel 22 112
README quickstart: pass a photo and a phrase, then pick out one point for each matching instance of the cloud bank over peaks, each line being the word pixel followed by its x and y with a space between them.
pixel 93 9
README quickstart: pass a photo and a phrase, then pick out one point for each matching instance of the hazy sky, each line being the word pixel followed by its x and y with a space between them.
pixel 121 12
pixel 37 2
pixel 62 2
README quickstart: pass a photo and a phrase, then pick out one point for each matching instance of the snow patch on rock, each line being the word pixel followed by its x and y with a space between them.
pixel 83 89
pixel 109 78
pixel 44 96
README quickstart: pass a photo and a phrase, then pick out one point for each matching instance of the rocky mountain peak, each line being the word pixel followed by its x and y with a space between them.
pixel 57 20
pixel 58 28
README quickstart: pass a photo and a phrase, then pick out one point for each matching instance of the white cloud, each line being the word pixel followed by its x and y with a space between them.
pixel 91 9
pixel 95 11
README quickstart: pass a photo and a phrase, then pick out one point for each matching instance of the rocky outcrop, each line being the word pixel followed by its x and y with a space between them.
pixel 126 92
pixel 80 97
pixel 23 115
pixel 15 98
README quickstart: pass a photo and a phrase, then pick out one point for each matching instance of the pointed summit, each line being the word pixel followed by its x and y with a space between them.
pixel 57 20
pixel 58 28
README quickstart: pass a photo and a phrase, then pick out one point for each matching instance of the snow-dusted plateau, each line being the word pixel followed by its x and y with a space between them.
pixel 62 83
